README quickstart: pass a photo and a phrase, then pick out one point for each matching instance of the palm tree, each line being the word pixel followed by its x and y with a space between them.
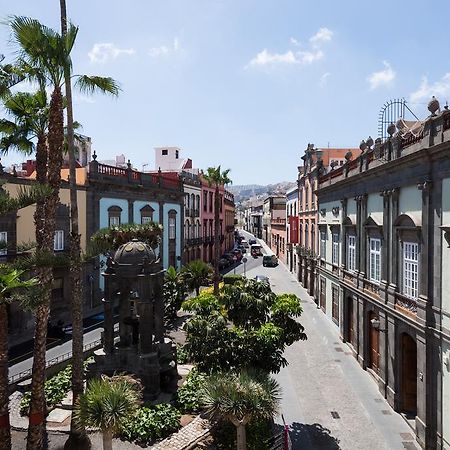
pixel 240 398
pixel 196 274
pixel 10 280
pixel 217 178
pixel 107 404
pixel 47 55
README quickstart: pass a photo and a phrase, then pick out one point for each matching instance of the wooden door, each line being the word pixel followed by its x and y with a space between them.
pixel 323 299
pixel 409 374
pixel 350 322
pixel 374 344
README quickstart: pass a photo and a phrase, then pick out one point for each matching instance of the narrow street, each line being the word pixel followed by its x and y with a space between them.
pixel 324 380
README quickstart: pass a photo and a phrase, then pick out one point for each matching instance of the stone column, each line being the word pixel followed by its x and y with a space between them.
pixel 108 302
pixel 385 247
pixel 343 234
pixel 145 327
pixel 158 307
pixel 394 257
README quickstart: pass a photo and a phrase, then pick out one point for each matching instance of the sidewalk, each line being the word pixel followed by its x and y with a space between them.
pixel 328 400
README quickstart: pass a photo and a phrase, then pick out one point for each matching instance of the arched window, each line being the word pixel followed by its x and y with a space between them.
pixel 114 213
pixel 147 214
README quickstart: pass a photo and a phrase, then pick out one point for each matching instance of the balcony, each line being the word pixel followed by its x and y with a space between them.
pixel 371 287
pixel 278 221
pixel 406 305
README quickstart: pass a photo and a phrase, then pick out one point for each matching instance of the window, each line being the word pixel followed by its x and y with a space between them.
pixel 146 214
pixel 205 201
pixel 411 269
pixel 164 152
pixel 323 244
pixel 4 242
pixel 210 202
pixel 335 303
pixel 351 252
pixel 177 154
pixel 335 249
pixel 172 226
pixel 375 259
pixel 58 241
pixel 114 213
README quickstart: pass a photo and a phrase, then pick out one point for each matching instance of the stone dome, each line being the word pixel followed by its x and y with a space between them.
pixel 134 253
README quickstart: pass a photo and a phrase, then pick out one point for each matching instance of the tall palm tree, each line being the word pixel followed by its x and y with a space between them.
pixel 217 178
pixel 10 280
pixel 240 398
pixel 107 404
pixel 47 54
pixel 196 274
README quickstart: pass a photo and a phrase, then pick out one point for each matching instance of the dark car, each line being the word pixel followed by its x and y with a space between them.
pixel 224 263
pixel 262 279
pixel 229 256
pixel 252 241
pixel 238 254
pixel 270 261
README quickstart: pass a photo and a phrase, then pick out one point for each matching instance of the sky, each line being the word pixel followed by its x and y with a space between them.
pixel 246 84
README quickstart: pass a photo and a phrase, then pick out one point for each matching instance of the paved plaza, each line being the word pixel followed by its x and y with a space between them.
pixel 328 400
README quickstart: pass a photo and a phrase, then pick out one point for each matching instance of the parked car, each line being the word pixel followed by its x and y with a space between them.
pixel 229 256
pixel 224 263
pixel 242 249
pixel 238 254
pixel 270 261
pixel 262 279
pixel 252 241
pixel 244 243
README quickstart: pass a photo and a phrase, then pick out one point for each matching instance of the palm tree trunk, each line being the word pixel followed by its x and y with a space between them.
pixel 78 437
pixel 241 437
pixel 216 240
pixel 5 433
pixel 107 440
pixel 44 237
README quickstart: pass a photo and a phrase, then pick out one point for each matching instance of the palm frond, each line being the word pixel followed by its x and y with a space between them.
pixel 91 84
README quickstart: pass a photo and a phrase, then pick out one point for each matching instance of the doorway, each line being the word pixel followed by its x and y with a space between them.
pixel 408 388
pixel 350 322
pixel 374 343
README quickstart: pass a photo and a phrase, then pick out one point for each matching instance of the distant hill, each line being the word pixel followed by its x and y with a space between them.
pixel 245 192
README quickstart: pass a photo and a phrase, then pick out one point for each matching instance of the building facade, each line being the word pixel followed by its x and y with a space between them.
pixel 229 220
pixel 292 231
pixel 274 207
pixel 253 220
pixel 384 235
pixel 315 161
pixel 192 187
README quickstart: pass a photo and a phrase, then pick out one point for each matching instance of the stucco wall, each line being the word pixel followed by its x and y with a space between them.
pixel 410 202
pixel 25 216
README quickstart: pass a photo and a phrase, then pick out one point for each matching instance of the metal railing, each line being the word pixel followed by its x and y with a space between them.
pixel 21 376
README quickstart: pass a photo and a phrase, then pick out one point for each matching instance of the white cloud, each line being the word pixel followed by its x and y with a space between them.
pixel 440 89
pixel 103 52
pixel 294 56
pixel 323 35
pixel 381 78
pixel 164 50
pixel 266 58
pixel 324 79
pixel 78 98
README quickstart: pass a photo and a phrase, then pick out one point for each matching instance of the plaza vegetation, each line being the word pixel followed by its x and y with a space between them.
pixel 245 326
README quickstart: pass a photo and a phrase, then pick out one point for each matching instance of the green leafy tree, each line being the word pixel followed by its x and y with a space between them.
pixel 174 293
pixel 245 326
pixel 196 274
pixel 107 405
pixel 217 178
pixel 240 398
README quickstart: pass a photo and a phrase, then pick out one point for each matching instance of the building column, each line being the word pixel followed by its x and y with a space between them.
pixel 385 247
pixel 343 243
pixel 108 334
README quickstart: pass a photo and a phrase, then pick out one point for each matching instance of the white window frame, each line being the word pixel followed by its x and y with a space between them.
pixel 410 278
pixel 335 248
pixel 375 260
pixel 351 252
pixel 58 241
pixel 4 238
pixel 323 244
pixel 145 220
pixel 114 221
pixel 172 227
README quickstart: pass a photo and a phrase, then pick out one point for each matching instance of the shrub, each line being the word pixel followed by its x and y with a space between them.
pixel 189 396
pixel 55 390
pixel 150 423
pixel 232 279
pixel 182 355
